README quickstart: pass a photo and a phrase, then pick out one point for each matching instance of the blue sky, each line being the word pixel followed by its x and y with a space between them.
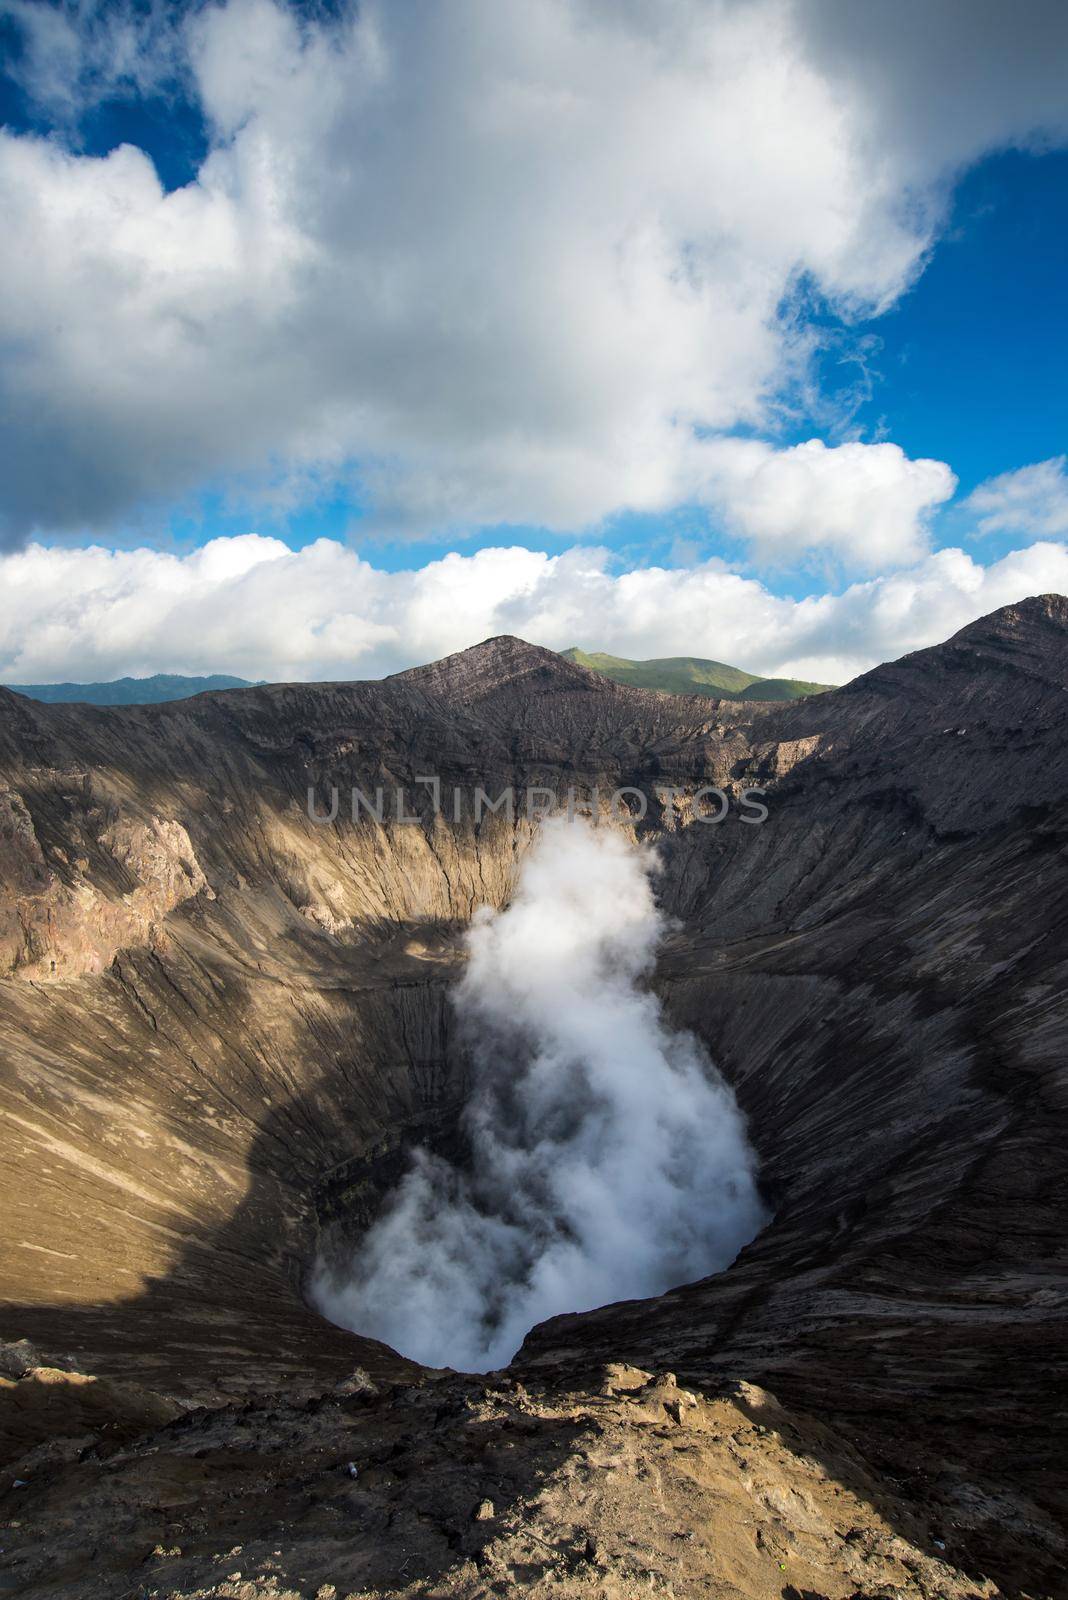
pixel 777 294
pixel 971 365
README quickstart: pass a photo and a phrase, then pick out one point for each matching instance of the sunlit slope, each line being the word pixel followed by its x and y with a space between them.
pixel 692 675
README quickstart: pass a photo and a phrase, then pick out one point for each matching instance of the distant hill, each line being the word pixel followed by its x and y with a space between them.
pixel 127 691
pixel 675 674
pixel 692 675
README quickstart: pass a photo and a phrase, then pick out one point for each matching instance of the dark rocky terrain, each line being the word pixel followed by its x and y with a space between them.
pixel 221 1024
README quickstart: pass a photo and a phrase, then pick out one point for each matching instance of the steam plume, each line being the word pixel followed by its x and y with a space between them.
pixel 609 1158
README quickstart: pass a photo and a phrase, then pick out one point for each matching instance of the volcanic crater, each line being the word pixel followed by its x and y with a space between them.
pixel 224 1026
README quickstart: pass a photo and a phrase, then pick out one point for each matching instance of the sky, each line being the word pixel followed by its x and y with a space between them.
pixel 334 338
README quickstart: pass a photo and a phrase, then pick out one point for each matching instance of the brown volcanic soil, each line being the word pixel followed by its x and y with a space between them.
pixel 218 1016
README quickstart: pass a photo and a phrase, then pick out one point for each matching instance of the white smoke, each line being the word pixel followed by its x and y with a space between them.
pixel 609 1159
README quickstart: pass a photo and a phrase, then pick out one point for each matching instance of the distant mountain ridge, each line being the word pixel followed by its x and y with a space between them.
pixel 673 674
pixel 693 675
pixel 127 691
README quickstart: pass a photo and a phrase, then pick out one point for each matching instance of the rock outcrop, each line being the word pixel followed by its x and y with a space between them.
pixel 221 1019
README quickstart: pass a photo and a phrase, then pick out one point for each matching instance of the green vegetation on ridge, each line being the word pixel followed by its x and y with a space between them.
pixel 692 675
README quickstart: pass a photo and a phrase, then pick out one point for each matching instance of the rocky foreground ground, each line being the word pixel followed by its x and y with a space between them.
pixel 449 1486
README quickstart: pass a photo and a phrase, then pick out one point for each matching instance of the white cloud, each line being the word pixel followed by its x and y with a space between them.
pixel 1030 500
pixel 866 504
pixel 491 262
pixel 253 607
pixel 72 56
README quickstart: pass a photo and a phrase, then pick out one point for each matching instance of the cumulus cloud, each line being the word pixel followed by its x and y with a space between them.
pixel 951 80
pixel 866 504
pixel 1030 500
pixel 494 262
pixel 251 606
pixel 608 1158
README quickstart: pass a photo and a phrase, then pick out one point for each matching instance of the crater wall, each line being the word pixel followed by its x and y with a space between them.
pixel 215 1012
